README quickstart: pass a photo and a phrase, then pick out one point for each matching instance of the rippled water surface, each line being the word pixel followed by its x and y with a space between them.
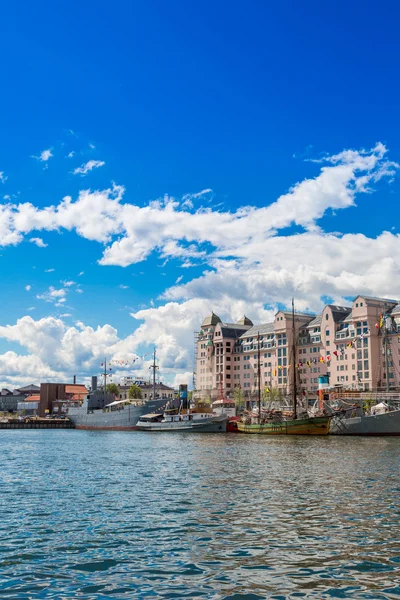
pixel 133 515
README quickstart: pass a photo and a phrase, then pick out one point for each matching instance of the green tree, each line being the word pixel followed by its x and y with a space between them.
pixel 238 396
pixel 112 388
pixel 135 391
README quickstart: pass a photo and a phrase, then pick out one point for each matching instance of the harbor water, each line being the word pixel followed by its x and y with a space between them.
pixel 94 515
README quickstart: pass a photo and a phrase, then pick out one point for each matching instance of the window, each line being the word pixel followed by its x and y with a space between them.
pixel 327 332
pixel 359 365
pixel 366 365
pixel 366 375
pixel 326 316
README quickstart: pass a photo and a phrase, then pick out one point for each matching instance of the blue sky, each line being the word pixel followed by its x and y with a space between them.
pixel 240 102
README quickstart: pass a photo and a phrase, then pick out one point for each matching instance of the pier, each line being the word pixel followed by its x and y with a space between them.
pixel 37 424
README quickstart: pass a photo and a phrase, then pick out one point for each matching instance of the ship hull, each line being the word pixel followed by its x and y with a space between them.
pixel 124 419
pixel 215 425
pixel 374 425
pixel 311 426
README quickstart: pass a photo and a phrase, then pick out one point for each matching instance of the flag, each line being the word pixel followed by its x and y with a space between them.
pixel 274 372
pixel 335 353
pixel 322 360
pixel 308 364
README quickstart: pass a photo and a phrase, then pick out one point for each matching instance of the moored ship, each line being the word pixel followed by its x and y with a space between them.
pixel 184 422
pixel 277 422
pixel 121 415
pixel 101 410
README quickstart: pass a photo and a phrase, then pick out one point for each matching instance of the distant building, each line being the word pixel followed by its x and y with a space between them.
pixel 162 391
pixel 9 399
pixel 343 343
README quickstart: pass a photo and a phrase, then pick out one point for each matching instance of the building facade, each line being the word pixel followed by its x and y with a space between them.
pixel 347 344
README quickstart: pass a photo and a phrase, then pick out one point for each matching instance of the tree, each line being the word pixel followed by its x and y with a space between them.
pixel 238 396
pixel 135 391
pixel 112 388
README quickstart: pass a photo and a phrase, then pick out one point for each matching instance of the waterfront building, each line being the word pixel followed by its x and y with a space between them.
pixel 343 343
pixel 162 391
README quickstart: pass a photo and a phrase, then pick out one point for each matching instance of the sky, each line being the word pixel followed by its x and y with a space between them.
pixel 160 160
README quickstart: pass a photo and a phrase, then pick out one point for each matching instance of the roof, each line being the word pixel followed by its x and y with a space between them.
pixel 159 386
pixel 75 388
pixel 33 398
pixel 29 388
pixel 297 314
pixel 375 299
pixel 115 403
pixel 233 331
pixel 339 313
pixel 396 309
pixel 245 321
pixel 211 319
pixel 316 321
pixel 259 329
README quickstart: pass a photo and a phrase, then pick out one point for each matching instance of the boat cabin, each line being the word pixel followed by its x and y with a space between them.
pixel 224 406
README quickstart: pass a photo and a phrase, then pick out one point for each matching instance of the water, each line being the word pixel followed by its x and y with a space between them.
pixel 133 515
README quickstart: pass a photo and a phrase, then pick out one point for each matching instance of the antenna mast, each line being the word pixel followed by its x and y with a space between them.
pixel 293 364
pixel 259 376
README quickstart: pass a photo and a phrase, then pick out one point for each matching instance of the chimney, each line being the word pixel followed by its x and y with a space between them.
pixel 74 378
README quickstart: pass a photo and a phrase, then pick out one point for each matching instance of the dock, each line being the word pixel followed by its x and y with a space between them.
pixel 37 424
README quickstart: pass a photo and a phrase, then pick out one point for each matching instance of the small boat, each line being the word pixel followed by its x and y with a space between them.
pixel 183 422
pixel 306 426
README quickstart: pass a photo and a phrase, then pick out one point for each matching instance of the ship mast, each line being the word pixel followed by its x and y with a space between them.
pixel 259 377
pixel 294 364
pixel 385 343
pixel 105 375
pixel 154 368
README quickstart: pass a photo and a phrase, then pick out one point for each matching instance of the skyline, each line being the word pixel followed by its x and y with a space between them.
pixel 188 164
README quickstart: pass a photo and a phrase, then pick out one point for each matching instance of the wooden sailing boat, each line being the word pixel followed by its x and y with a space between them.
pixel 293 426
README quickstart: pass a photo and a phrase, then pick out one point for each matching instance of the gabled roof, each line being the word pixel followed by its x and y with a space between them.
pixel 29 389
pixel 259 329
pixel 396 309
pixel 211 319
pixel 375 299
pixel 339 313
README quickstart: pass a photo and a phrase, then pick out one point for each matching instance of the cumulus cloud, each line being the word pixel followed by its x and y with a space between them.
pixel 38 241
pixel 252 264
pixel 28 288
pixel 89 166
pixel 44 156
pixel 57 351
pixel 3 178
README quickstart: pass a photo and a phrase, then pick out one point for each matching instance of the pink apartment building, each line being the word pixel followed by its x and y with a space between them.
pixel 344 343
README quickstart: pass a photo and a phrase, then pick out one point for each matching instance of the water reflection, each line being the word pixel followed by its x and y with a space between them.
pixel 99 515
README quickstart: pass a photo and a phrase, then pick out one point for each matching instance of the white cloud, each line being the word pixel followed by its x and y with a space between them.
pixel 38 241
pixel 71 154
pixel 3 178
pixel 65 315
pixel 89 166
pixel 57 296
pixel 28 288
pixel 31 308
pixel 49 270
pixel 79 290
pixel 92 146
pixel 68 283
pixel 44 156
pixel 81 273
pixel 123 287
